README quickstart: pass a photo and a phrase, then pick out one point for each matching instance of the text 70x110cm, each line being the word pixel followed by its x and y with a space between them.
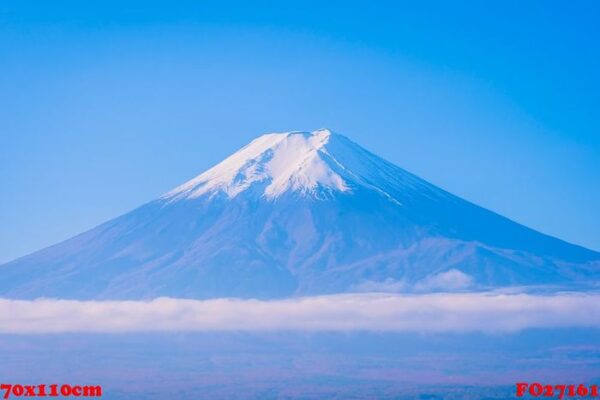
pixel 53 390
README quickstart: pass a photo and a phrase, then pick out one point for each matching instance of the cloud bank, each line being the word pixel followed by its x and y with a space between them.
pixel 451 280
pixel 442 312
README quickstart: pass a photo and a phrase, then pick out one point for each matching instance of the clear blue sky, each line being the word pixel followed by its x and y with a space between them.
pixel 106 105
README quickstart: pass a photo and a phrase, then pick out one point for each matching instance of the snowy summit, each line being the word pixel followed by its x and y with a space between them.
pixel 279 162
pixel 314 164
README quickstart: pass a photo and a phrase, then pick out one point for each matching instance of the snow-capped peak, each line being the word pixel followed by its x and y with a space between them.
pixel 275 162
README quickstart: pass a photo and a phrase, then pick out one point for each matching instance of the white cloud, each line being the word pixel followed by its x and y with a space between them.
pixel 389 285
pixel 449 280
pixel 442 312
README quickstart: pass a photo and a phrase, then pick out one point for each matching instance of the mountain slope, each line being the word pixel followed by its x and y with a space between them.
pixel 293 214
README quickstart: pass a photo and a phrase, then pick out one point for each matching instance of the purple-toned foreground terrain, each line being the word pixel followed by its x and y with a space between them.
pixel 284 365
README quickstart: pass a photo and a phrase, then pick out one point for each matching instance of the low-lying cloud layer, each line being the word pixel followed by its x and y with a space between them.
pixel 440 312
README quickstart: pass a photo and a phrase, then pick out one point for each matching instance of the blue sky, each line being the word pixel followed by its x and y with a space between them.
pixel 106 105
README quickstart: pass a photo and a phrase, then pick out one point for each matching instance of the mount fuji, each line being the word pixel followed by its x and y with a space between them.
pixel 299 213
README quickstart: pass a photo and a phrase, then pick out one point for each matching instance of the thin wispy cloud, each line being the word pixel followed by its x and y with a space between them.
pixel 442 312
pixel 451 280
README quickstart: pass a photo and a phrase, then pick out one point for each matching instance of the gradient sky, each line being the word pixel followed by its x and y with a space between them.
pixel 106 105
